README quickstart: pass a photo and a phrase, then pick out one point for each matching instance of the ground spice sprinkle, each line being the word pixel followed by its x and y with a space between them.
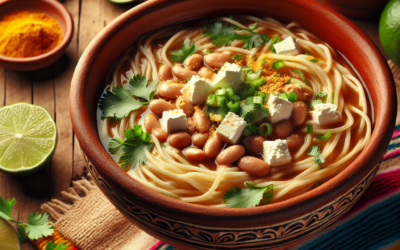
pixel 28 33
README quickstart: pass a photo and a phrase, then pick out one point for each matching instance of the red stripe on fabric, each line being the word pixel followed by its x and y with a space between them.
pixel 156 245
pixel 396 133
pixel 394 153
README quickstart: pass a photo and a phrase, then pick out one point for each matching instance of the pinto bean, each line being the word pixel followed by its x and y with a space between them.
pixel 170 90
pixel 150 122
pixel 254 166
pixel 299 113
pixel 213 146
pixel 217 60
pixel 184 103
pixel 295 141
pixel 253 143
pixel 283 129
pixel 165 72
pixel 301 96
pixel 194 62
pixel 207 73
pixel 200 139
pixel 230 154
pixel 159 106
pixel 191 127
pixel 160 133
pixel 183 73
pixel 180 140
pixel 195 154
pixel 201 121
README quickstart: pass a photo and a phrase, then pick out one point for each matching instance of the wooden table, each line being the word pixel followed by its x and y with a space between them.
pixel 49 88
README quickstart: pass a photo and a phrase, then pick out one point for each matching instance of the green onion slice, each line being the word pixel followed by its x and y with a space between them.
pixel 220 92
pixel 229 92
pixel 292 96
pixel 235 98
pixel 325 136
pixel 265 129
pixel 211 100
pixel 221 100
pixel 233 107
pixel 316 102
pixel 309 129
pixel 300 74
pixel 278 65
pixel 314 60
pixel 283 96
pixel 258 101
pixel 263 62
pixel 247 69
pixel 306 82
pixel 315 150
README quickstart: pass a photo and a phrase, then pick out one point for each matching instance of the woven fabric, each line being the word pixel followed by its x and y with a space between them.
pixel 88 219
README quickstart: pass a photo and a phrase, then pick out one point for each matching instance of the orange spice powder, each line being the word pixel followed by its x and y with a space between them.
pixel 28 33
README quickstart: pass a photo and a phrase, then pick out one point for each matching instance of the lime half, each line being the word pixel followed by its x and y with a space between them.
pixel 28 137
pixel 8 237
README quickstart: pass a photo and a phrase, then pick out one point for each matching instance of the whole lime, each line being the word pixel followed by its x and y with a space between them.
pixel 389 30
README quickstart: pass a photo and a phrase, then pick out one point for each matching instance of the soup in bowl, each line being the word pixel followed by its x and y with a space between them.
pixel 232 130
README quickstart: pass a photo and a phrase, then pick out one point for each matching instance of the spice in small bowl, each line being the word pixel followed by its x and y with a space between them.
pixel 28 33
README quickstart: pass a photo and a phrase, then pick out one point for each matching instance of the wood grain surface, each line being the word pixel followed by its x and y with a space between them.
pixel 49 87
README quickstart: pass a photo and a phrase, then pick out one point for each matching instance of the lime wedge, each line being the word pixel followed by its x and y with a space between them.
pixel 28 137
pixel 8 237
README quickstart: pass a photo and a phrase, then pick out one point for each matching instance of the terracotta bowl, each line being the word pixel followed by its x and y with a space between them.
pixel 187 225
pixel 54 9
pixel 357 8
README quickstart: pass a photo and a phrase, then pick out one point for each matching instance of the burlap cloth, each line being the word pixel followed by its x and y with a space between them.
pixel 88 218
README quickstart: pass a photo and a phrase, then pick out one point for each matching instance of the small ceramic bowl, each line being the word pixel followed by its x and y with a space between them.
pixel 54 9
pixel 191 226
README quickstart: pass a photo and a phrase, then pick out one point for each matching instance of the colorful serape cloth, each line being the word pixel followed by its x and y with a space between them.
pixel 374 221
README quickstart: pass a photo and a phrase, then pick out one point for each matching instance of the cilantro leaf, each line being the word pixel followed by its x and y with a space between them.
pixel 53 246
pixel 22 233
pixel 138 87
pixel 254 41
pixel 118 103
pixel 223 110
pixel 132 150
pixel 5 208
pixel 246 112
pixel 224 40
pixel 247 197
pixel 186 50
pixel 38 226
pixel 217 29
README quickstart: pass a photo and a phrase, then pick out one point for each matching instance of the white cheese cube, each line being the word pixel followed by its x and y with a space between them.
pixel 279 109
pixel 287 47
pixel 174 121
pixel 197 90
pixel 230 75
pixel 231 128
pixel 326 114
pixel 276 153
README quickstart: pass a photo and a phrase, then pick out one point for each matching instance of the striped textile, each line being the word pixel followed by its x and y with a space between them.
pixel 374 221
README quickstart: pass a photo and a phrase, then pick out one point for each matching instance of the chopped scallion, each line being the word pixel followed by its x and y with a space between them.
pixel 309 129
pixel 221 100
pixel 321 95
pixel 314 60
pixel 315 150
pixel 319 159
pixel 306 82
pixel 229 92
pixel 265 129
pixel 258 101
pixel 325 136
pixel 211 100
pixel 316 102
pixel 283 96
pixel 220 92
pixel 289 81
pixel 292 96
pixel 299 74
pixel 233 107
pixel 263 62
pixel 238 57
pixel 258 82
pixel 247 69
pixel 262 94
pixel 278 65
pixel 319 166
pixel 235 98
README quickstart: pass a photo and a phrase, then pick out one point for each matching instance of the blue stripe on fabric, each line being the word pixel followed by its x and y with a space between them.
pixel 397 127
pixel 387 241
pixel 362 228
pixel 393 146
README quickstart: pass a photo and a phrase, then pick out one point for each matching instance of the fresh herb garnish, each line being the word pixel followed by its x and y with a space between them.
pixel 121 101
pixel 309 129
pixel 314 60
pixel 187 49
pixel 278 65
pixel 223 34
pixel 321 95
pixel 37 226
pixel 133 149
pixel 316 151
pixel 238 57
pixel 222 110
pixel 274 41
pixel 325 136
pixel 54 246
pixel 297 73
pixel 248 197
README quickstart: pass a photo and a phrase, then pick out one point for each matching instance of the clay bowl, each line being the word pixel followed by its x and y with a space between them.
pixel 357 8
pixel 54 9
pixel 189 226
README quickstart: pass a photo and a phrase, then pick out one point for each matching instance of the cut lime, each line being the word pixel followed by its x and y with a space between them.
pixel 8 237
pixel 28 137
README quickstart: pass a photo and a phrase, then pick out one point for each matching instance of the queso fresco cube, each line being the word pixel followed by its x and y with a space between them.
pixel 231 128
pixel 230 75
pixel 276 153
pixel 288 46
pixel 174 121
pixel 197 90
pixel 326 114
pixel 279 109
